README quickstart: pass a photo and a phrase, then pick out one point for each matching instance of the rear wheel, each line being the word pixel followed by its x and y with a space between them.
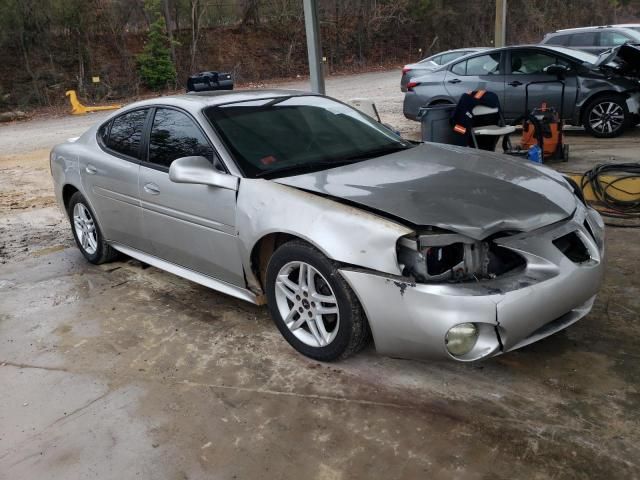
pixel 606 116
pixel 312 305
pixel 87 233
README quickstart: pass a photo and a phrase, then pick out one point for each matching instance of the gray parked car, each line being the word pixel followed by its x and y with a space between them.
pixel 594 39
pixel 339 225
pixel 431 63
pixel 602 92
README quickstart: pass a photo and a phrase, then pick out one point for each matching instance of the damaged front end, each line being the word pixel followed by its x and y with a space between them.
pixel 436 256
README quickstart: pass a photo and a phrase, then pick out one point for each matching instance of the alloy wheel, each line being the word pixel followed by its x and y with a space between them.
pixel 307 304
pixel 606 117
pixel 85 228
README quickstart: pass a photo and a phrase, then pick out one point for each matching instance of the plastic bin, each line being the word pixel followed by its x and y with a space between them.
pixel 436 126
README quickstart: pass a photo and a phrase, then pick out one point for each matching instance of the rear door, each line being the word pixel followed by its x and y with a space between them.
pixel 525 65
pixel 110 178
pixel 482 72
pixel 192 226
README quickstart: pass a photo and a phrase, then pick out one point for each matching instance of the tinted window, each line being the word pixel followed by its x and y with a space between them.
pixel 584 39
pixel 449 57
pixel 434 59
pixel 298 134
pixel 126 132
pixel 562 40
pixel 483 65
pixel 532 62
pixel 459 68
pixel 612 39
pixel 175 135
pixel 103 133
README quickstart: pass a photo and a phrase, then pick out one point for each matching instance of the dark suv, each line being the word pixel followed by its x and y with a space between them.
pixel 594 39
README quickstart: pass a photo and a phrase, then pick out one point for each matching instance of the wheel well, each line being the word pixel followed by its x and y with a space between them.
pixel 67 193
pixel 263 250
pixel 607 93
pixel 441 102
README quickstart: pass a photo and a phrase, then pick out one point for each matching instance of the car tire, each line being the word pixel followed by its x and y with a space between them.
pixel 305 321
pixel 87 233
pixel 606 116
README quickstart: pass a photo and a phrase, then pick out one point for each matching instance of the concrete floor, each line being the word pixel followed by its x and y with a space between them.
pixel 121 371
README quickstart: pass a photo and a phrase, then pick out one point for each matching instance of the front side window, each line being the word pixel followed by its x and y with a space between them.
pixel 288 135
pixel 531 62
pixel 126 133
pixel 613 39
pixel 174 135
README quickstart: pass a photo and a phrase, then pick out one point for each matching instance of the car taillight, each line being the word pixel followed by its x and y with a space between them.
pixel 406 69
pixel 410 85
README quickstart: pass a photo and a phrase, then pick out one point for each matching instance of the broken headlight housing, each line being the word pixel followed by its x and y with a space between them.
pixel 442 256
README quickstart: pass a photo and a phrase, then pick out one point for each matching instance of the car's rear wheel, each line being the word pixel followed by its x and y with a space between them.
pixel 87 233
pixel 312 305
pixel 606 116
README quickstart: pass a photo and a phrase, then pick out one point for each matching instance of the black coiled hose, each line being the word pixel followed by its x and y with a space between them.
pixel 607 202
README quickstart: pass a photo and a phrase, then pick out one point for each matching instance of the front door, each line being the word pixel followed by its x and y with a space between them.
pixel 527 65
pixel 483 72
pixel 189 225
pixel 110 178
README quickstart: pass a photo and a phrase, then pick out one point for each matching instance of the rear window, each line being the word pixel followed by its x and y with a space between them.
pixel 126 133
pixel 482 65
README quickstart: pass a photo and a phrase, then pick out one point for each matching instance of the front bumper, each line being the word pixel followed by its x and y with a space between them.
pixel 552 292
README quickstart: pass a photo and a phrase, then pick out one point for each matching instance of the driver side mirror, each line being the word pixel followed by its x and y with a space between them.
pixel 556 69
pixel 200 171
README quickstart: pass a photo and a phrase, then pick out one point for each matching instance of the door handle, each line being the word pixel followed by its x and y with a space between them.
pixel 151 188
pixel 515 83
pixel 455 80
pixel 90 169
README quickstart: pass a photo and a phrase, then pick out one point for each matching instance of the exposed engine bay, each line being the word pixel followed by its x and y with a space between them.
pixel 440 256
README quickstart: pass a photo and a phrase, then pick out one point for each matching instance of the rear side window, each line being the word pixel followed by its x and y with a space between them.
pixel 560 40
pixel 584 39
pixel 174 135
pixel 482 65
pixel 126 133
pixel 103 133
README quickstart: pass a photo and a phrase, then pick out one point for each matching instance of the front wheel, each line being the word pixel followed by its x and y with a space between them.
pixel 606 116
pixel 312 305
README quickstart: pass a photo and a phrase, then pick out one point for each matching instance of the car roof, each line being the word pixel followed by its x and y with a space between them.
pixel 199 100
pixel 595 27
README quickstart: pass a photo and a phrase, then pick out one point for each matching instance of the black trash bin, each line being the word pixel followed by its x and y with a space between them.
pixel 436 125
pixel 209 81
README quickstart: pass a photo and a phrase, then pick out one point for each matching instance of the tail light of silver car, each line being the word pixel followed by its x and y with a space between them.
pixel 442 256
pixel 411 85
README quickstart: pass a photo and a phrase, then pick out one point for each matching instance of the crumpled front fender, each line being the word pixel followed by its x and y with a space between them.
pixel 341 232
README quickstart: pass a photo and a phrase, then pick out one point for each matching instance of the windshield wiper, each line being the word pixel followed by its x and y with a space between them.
pixel 299 168
pixel 378 152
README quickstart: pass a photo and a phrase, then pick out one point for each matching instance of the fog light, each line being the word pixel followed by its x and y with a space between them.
pixel 461 339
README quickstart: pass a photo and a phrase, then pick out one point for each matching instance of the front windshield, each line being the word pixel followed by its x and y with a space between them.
pixel 289 135
pixel 578 54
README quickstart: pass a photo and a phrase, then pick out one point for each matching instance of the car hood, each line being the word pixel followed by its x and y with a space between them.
pixel 625 59
pixel 473 192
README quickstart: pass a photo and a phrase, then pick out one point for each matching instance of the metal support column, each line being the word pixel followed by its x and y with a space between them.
pixel 501 23
pixel 313 45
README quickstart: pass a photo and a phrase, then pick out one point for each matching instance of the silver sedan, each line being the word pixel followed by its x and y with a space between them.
pixel 343 229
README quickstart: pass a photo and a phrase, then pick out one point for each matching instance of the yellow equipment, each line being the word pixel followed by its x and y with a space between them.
pixel 79 109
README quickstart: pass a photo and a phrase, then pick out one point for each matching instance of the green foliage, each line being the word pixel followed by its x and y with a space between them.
pixel 154 63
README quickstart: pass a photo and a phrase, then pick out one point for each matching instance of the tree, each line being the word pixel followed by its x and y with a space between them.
pixel 156 67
